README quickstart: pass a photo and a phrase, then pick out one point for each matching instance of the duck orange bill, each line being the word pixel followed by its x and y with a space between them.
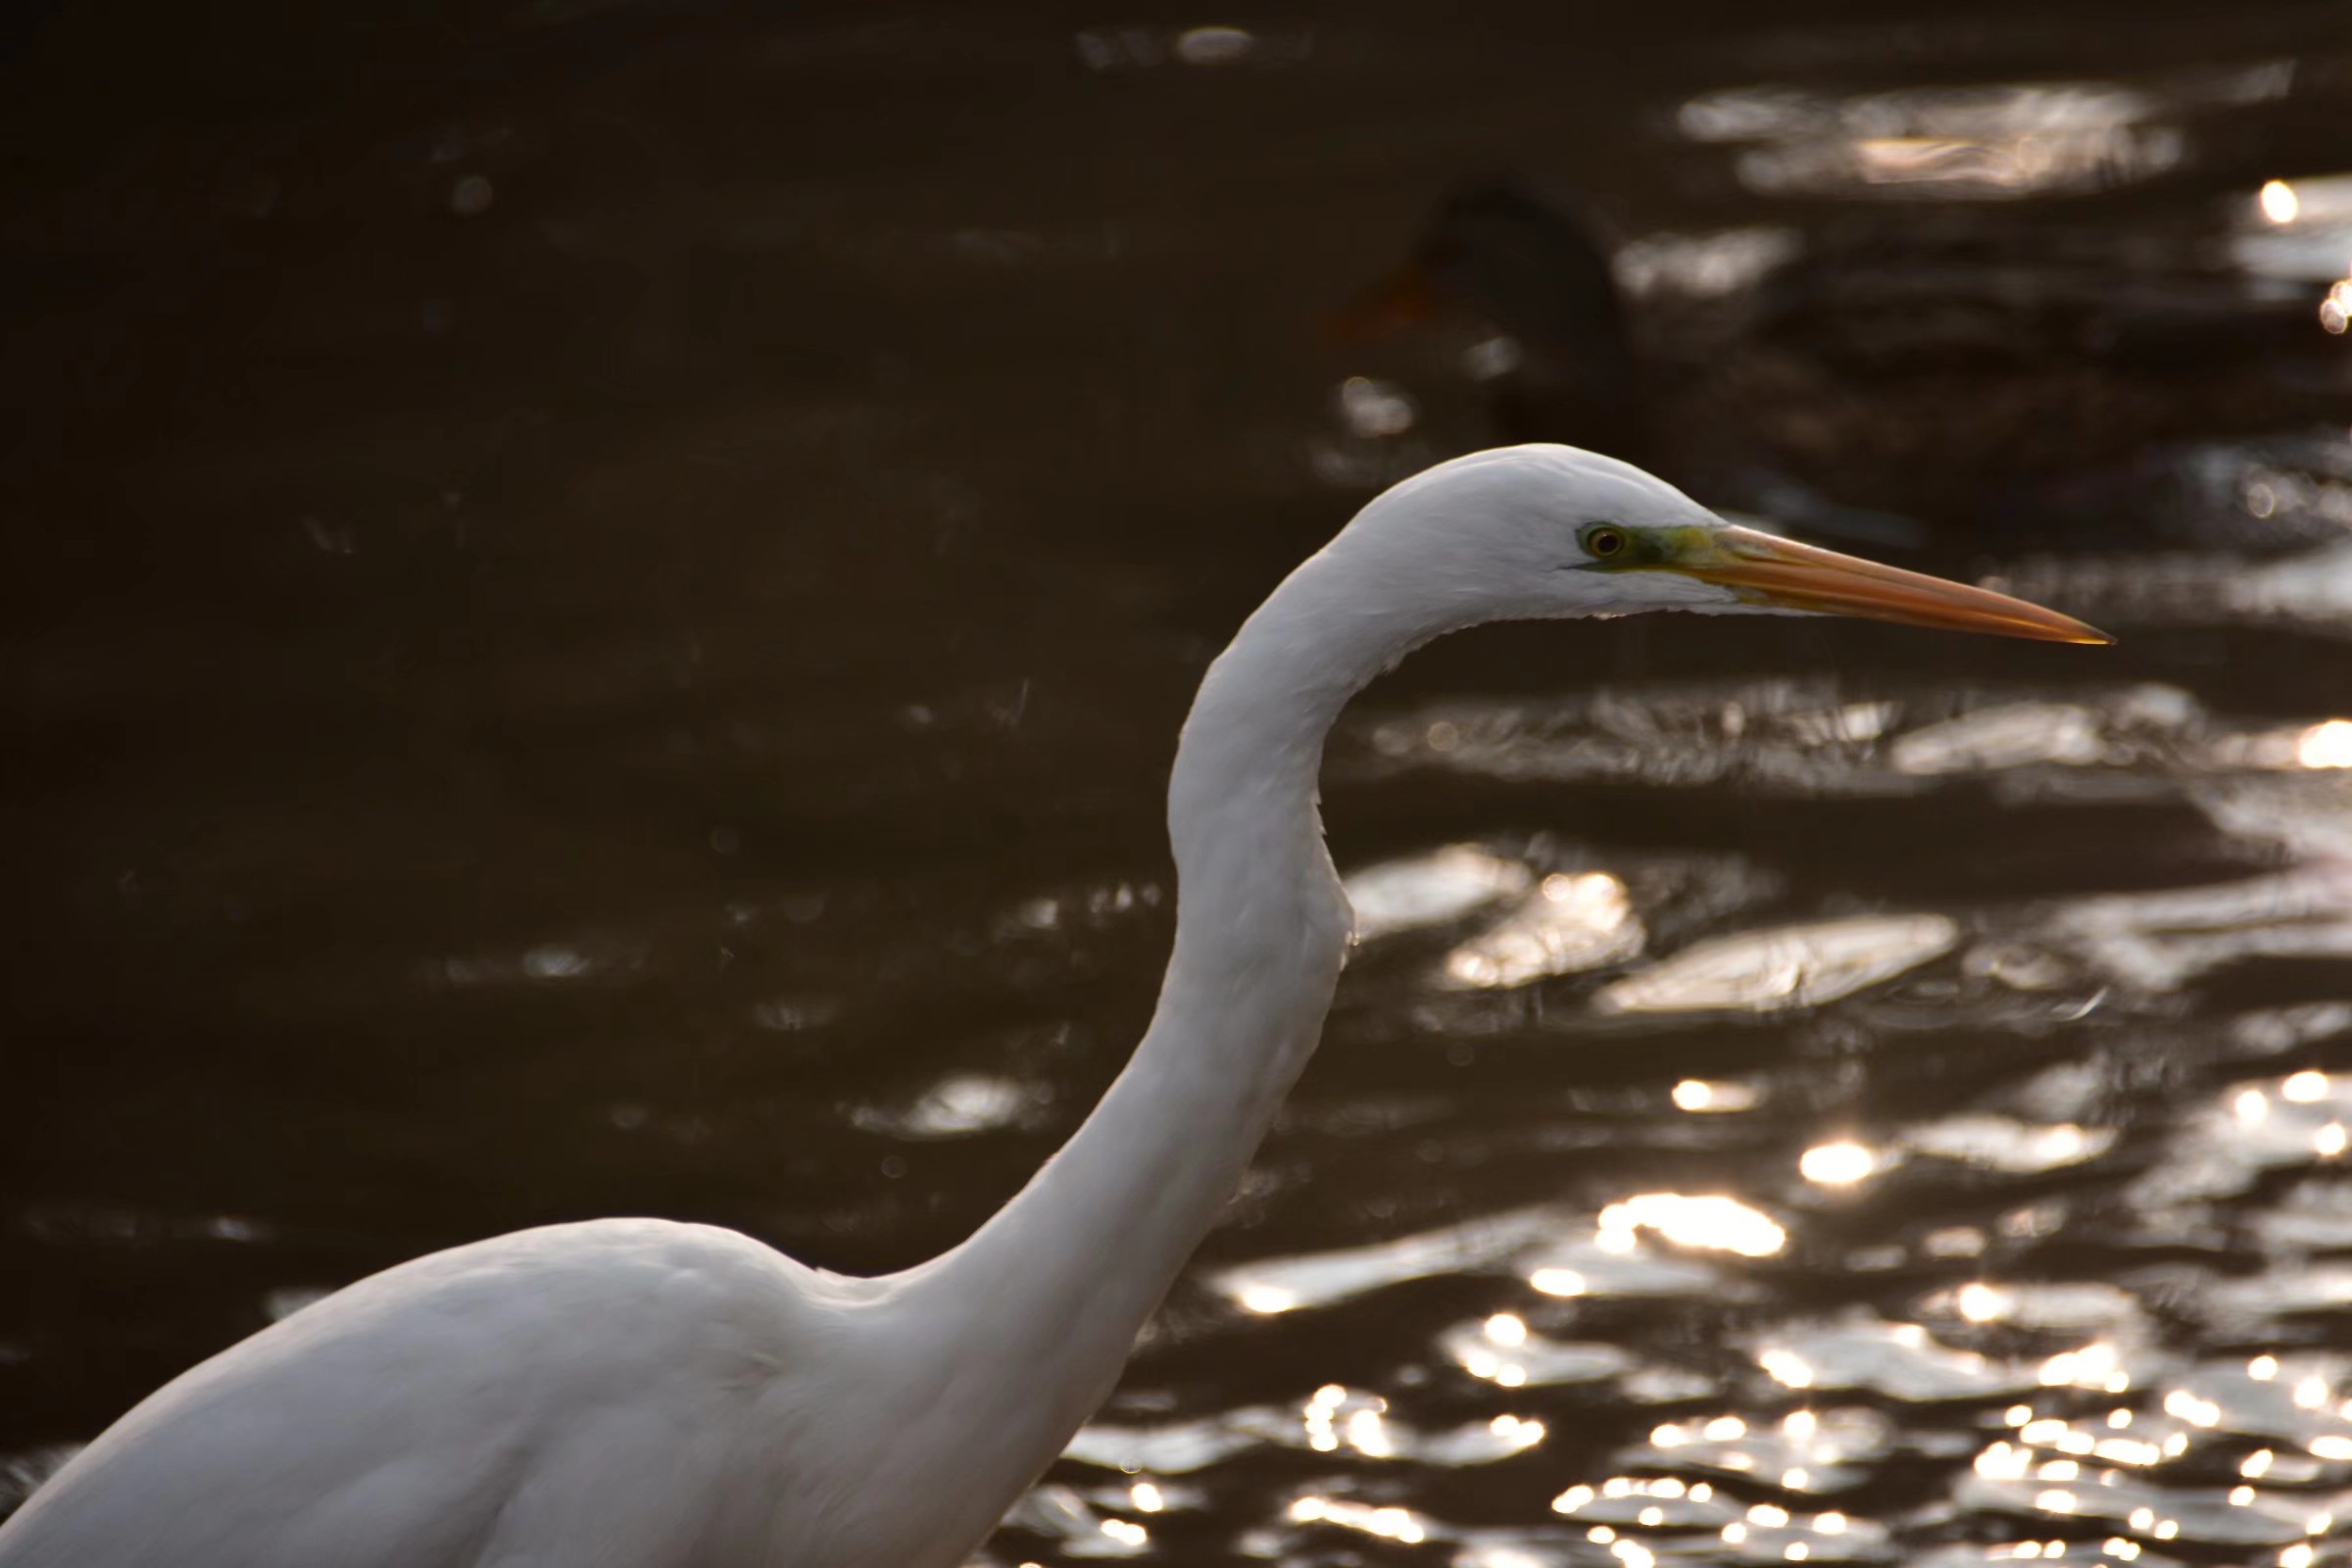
pixel 1406 297
pixel 1765 569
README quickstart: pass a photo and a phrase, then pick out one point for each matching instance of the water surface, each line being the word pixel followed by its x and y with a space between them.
pixel 601 600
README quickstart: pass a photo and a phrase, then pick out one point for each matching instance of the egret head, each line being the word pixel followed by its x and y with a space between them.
pixel 1537 533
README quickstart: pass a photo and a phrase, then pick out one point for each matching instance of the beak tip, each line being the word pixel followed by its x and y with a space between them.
pixel 2053 627
pixel 1781 573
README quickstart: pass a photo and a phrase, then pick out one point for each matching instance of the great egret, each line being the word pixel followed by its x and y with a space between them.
pixel 641 1394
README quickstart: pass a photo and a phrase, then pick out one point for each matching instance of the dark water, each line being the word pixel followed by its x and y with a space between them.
pixel 600 598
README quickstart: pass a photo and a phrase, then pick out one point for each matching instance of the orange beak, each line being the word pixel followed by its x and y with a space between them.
pixel 1765 569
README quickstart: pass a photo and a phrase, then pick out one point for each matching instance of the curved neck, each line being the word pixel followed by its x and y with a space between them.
pixel 1036 1313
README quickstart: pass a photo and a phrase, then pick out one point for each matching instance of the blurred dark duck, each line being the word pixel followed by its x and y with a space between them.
pixel 1961 367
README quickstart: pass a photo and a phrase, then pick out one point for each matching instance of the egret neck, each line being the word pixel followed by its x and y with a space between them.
pixel 1042 1303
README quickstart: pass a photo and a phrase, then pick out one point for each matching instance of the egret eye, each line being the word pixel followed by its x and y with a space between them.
pixel 1604 541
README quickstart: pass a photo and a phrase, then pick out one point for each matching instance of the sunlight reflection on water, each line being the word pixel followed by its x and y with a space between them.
pixel 1431 890
pixel 1986 142
pixel 2088 1420
pixel 1790 967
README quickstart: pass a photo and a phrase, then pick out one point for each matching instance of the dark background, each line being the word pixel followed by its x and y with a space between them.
pixel 598 601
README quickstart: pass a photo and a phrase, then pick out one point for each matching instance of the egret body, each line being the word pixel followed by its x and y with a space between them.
pixel 639 1394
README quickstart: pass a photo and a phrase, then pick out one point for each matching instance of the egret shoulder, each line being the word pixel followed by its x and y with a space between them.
pixel 589 1382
